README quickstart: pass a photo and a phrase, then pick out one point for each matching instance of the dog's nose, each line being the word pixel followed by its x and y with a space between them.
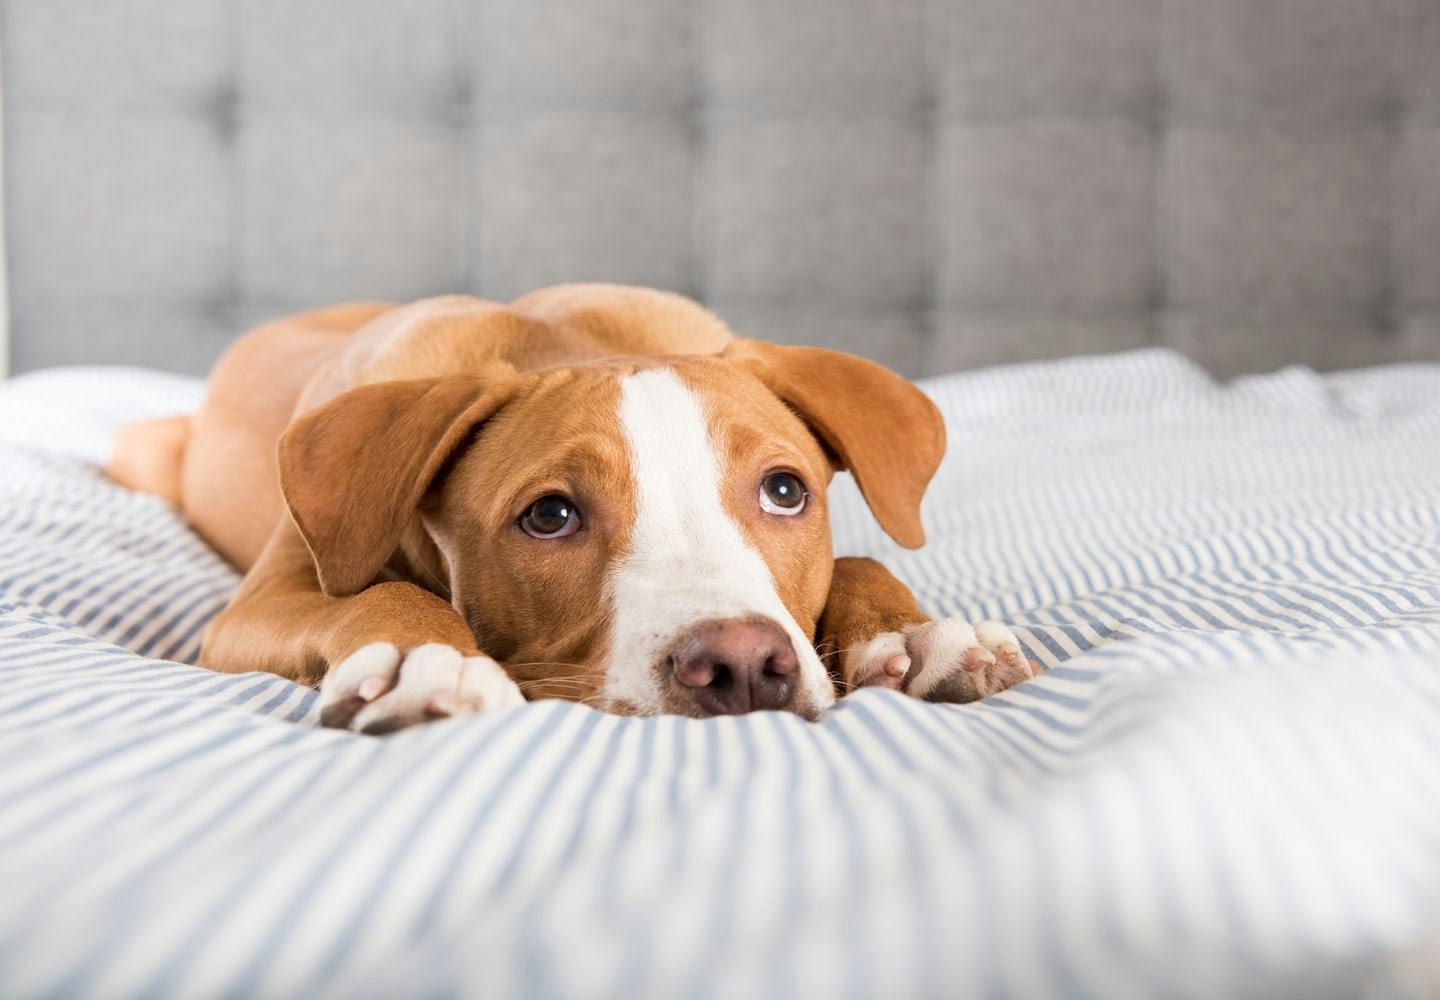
pixel 734 665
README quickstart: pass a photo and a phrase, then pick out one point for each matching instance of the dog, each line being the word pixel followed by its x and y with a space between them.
pixel 596 493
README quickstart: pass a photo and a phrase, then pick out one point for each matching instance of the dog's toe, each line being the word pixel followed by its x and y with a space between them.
pixel 881 662
pixel 355 681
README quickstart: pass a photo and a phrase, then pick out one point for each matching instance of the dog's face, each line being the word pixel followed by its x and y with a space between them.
pixel 646 535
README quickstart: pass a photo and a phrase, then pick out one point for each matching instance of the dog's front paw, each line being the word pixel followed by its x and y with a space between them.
pixel 377 689
pixel 948 660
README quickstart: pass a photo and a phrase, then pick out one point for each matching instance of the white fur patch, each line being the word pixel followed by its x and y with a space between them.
pixel 941 646
pixel 688 561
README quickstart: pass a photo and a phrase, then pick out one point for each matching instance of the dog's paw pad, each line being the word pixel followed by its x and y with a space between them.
pixel 954 661
pixel 377 690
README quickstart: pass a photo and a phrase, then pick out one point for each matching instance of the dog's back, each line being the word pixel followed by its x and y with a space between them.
pixel 218 466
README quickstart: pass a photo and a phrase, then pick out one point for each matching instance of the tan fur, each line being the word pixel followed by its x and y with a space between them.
pixel 148 457
pixel 889 435
pixel 864 601
pixel 404 434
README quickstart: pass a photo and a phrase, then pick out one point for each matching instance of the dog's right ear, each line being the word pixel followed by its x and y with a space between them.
pixel 355 469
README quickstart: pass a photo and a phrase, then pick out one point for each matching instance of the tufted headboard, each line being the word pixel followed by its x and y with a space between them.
pixel 935 183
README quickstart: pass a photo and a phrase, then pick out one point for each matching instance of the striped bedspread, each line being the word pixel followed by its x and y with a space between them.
pixel 1226 784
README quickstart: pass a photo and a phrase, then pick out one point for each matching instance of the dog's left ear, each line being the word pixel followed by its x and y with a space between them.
pixel 884 430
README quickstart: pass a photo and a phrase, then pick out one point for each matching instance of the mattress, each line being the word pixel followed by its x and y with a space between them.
pixel 1226 783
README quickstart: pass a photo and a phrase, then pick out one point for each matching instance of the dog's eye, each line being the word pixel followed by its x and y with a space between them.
pixel 782 493
pixel 551 516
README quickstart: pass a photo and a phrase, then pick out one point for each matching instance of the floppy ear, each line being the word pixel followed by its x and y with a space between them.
pixel 879 426
pixel 355 469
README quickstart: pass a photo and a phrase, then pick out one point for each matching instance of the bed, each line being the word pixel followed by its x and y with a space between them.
pixel 1227 781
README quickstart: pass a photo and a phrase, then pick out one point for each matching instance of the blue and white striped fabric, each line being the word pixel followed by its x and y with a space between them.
pixel 1227 783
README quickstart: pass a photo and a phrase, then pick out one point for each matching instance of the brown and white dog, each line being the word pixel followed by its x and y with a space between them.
pixel 595 493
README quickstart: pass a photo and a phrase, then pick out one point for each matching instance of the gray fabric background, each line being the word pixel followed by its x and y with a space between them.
pixel 935 183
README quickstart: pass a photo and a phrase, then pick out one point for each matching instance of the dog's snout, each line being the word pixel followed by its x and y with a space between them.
pixel 735 665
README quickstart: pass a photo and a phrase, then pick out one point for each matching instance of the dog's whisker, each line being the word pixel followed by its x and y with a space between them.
pixel 558 676
pixel 435 579
pixel 561 679
pixel 561 690
pixel 837 652
pixel 558 684
pixel 546 663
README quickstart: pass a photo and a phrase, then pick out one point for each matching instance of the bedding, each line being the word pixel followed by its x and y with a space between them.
pixel 1227 782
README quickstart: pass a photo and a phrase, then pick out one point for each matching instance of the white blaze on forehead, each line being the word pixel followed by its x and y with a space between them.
pixel 688 561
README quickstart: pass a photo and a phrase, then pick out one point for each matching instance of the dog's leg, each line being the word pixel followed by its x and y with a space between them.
pixel 148 457
pixel 874 633
pixel 387 657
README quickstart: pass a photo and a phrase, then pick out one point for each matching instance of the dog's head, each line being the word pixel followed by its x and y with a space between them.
pixel 644 534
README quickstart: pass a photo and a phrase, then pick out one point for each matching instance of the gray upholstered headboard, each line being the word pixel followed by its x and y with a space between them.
pixel 936 183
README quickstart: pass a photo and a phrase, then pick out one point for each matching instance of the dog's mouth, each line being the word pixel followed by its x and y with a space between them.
pixel 801 707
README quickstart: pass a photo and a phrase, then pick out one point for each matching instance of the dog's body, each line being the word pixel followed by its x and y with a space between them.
pixel 599 487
